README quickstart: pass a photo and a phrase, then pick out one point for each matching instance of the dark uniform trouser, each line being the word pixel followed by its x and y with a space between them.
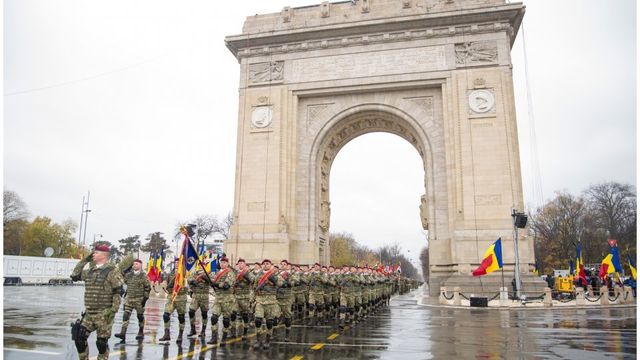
pixel 243 303
pixel 199 301
pixel 102 326
pixel 179 305
pixel 129 306
pixel 267 309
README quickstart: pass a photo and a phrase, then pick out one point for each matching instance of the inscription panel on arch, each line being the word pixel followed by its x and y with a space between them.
pixel 386 62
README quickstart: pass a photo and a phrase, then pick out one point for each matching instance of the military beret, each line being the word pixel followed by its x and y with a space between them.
pixel 240 260
pixel 104 248
pixel 137 261
pixel 285 261
pixel 266 261
pixel 224 258
pixel 318 264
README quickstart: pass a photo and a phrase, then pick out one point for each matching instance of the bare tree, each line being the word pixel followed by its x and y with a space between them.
pixel 224 226
pixel 13 207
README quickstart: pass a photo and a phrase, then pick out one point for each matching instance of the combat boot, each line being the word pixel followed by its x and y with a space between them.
pixel 122 335
pixel 244 333
pixel 140 335
pixel 258 344
pixel 193 330
pixel 214 338
pixel 180 335
pixel 166 337
pixel 225 333
pixel 267 340
pixel 287 332
pixel 203 331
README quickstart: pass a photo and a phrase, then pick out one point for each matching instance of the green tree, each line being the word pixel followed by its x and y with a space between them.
pixel 13 232
pixel 130 244
pixel 42 233
pixel 340 250
pixel 155 243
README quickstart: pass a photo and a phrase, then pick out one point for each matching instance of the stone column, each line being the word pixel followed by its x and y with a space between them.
pixel 504 296
pixel 456 296
pixel 604 291
pixel 580 296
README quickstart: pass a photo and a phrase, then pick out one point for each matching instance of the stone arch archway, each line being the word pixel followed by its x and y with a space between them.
pixel 315 77
pixel 348 125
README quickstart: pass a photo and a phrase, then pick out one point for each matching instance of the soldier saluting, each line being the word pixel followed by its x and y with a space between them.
pixel 103 288
pixel 138 288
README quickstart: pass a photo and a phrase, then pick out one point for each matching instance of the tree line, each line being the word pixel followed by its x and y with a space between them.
pixel 25 237
pixel 601 212
pixel 345 250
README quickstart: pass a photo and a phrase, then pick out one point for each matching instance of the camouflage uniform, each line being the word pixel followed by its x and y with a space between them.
pixel 300 293
pixel 225 304
pixel 243 291
pixel 138 288
pixel 267 309
pixel 327 292
pixel 102 295
pixel 179 305
pixel 347 295
pixel 285 298
pixel 199 285
pixel 316 280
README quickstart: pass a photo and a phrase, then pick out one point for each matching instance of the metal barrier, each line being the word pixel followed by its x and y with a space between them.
pixel 594 299
pixel 444 294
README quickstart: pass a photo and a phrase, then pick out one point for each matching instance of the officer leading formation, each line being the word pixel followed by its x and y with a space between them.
pixel 260 297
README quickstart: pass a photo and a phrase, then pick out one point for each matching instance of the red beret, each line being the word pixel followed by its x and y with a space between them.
pixel 317 264
pixel 257 263
pixel 266 260
pixel 224 258
pixel 104 248
pixel 137 261
pixel 285 261
pixel 240 260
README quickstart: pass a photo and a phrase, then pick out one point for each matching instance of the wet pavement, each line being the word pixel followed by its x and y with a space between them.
pixel 36 326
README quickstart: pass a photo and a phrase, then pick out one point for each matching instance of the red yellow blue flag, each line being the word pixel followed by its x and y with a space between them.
pixel 492 259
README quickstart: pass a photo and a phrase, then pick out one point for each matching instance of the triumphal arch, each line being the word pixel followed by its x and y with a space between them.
pixel 437 73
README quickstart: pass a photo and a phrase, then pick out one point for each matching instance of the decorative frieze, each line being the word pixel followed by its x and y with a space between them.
pixel 476 53
pixel 472 54
pixel 266 72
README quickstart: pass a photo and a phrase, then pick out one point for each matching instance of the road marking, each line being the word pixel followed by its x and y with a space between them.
pixel 333 336
pixel 317 346
pixel 297 357
pixel 34 351
pixel 115 353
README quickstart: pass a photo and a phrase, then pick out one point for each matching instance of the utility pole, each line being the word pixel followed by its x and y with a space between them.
pixel 86 219
pixel 80 230
pixel 519 222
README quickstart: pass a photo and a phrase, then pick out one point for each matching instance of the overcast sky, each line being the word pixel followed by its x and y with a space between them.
pixel 137 102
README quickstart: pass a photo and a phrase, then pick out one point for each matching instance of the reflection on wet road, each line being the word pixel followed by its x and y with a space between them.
pixel 36 326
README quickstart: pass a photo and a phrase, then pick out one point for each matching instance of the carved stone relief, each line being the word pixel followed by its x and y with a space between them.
pixel 476 52
pixel 314 111
pixel 266 71
pixel 424 212
pixel 481 101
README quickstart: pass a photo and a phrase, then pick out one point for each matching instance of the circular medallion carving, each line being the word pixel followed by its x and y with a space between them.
pixel 481 101
pixel 261 116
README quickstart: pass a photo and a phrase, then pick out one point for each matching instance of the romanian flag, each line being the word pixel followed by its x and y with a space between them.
pixel 580 273
pixel 151 268
pixel 611 263
pixel 158 264
pixel 492 260
pixel 632 267
pixel 572 270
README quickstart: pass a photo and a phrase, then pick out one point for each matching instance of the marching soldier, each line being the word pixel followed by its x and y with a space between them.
pixel 335 292
pixel 347 289
pixel 267 308
pixel 316 293
pixel 199 285
pixel 243 292
pixel 103 289
pixel 285 296
pixel 327 289
pixel 225 303
pixel 138 289
pixel 178 304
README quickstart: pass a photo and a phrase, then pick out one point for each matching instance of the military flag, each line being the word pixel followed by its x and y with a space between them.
pixel 632 267
pixel 187 259
pixel 580 273
pixel 611 263
pixel 492 259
